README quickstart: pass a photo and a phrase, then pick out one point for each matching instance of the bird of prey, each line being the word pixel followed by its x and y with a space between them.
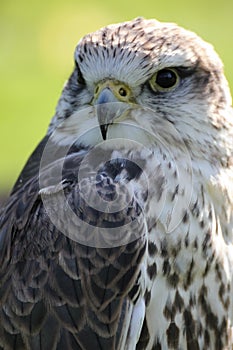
pixel 118 233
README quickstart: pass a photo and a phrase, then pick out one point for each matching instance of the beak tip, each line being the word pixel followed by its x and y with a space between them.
pixel 104 129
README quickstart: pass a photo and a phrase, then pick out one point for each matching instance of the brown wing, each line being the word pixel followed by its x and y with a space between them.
pixel 56 293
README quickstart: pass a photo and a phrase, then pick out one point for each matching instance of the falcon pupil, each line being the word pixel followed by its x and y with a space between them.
pixel 166 78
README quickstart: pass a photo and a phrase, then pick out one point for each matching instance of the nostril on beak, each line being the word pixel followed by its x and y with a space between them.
pixel 108 109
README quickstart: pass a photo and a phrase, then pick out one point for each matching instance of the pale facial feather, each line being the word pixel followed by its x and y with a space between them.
pixel 131 52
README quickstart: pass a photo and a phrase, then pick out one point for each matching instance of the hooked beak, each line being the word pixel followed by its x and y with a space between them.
pixel 111 100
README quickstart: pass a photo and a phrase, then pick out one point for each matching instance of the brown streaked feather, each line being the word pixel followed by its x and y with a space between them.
pixel 54 290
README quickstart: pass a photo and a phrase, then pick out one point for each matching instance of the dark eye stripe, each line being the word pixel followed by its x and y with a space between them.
pixel 186 71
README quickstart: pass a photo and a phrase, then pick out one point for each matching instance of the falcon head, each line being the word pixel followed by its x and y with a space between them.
pixel 151 65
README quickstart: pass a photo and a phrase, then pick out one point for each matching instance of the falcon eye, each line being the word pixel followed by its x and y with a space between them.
pixel 164 80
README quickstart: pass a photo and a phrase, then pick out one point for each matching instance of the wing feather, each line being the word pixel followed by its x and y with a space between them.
pixel 57 293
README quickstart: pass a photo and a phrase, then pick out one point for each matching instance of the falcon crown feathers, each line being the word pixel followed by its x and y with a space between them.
pixel 118 234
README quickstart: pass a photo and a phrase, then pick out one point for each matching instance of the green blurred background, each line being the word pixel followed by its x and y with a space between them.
pixel 37 40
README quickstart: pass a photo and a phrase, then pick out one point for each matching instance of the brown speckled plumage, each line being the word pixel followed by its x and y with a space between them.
pixel 131 246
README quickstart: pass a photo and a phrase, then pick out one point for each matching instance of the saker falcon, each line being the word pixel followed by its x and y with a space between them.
pixel 118 233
